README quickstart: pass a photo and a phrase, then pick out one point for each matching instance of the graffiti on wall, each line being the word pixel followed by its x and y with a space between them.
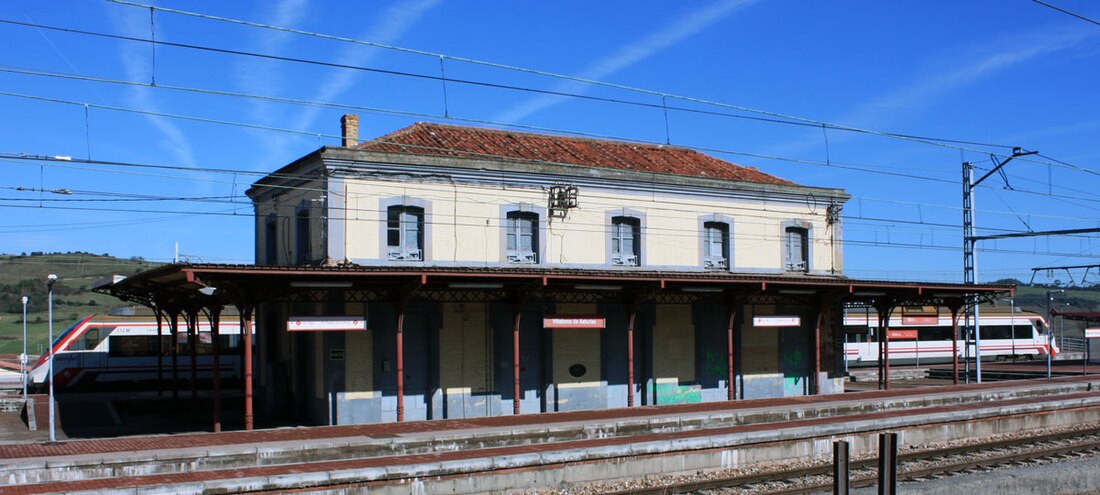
pixel 714 365
pixel 673 393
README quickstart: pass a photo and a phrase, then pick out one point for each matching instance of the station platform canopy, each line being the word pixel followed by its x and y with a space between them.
pixel 179 287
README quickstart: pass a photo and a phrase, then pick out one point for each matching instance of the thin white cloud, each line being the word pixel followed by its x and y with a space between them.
pixel 137 63
pixel 887 106
pixel 252 73
pixel 391 26
pixel 965 70
pixel 630 54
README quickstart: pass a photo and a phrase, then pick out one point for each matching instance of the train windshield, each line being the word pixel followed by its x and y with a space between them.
pixel 59 339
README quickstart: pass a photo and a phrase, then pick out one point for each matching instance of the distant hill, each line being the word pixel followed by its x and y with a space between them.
pixel 25 275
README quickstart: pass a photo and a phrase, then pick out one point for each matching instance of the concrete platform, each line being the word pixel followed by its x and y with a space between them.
pixel 539 448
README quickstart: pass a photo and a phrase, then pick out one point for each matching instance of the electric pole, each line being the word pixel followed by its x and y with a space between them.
pixel 970 239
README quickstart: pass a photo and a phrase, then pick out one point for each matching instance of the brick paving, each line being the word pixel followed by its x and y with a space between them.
pixel 199 440
pixel 384 461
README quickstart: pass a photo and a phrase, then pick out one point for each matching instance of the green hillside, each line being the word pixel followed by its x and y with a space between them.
pixel 25 275
pixel 1073 299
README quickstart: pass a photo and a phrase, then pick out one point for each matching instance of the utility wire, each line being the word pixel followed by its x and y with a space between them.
pixel 1064 11
pixel 786 119
pixel 827 163
pixel 805 122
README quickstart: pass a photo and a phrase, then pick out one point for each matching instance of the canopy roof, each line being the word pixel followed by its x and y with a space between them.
pixel 183 287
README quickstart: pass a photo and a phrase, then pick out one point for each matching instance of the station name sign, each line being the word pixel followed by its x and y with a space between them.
pixel 1092 333
pixel 920 320
pixel 776 321
pixel 574 321
pixel 326 324
pixel 901 334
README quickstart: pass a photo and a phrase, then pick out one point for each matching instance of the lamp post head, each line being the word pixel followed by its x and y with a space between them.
pixel 25 299
pixel 50 279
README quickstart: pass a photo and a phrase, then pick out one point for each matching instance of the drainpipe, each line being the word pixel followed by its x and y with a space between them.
pixel 515 359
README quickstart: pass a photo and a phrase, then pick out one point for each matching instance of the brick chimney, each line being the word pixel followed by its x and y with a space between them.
pixel 349 128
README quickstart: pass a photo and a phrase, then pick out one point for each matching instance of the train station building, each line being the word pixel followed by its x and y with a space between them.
pixel 443 271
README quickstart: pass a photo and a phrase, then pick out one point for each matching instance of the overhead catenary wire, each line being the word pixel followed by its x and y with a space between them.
pixel 67 163
pixel 488 155
pixel 790 119
pixel 657 106
pixel 311 133
pixel 827 163
pixel 1064 11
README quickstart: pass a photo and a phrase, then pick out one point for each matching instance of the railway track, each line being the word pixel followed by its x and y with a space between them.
pixel 912 466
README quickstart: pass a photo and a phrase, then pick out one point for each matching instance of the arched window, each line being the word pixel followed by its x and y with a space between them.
pixel 522 236
pixel 302 239
pixel 405 233
pixel 716 245
pixel 797 249
pixel 626 241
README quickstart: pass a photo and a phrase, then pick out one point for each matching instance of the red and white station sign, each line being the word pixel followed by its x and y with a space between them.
pixel 902 334
pixel 326 324
pixel 574 321
pixel 1092 333
pixel 920 320
pixel 776 321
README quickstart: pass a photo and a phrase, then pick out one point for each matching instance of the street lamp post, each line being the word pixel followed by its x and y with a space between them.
pixel 23 357
pixel 1050 327
pixel 49 370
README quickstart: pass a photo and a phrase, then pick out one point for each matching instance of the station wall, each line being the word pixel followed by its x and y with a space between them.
pixel 458 360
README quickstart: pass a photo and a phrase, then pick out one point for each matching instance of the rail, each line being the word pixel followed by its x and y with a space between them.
pixel 911 466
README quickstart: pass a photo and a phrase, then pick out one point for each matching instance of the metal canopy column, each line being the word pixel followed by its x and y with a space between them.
pixel 214 316
pixel 954 306
pixel 400 361
pixel 817 350
pixel 193 343
pixel 630 356
pixel 173 328
pixel 246 328
pixel 884 307
pixel 731 312
pixel 516 314
pixel 160 351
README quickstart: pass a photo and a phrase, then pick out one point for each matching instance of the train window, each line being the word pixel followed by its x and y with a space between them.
pixel 91 339
pixel 1022 331
pixel 996 332
pixel 934 333
pixel 134 345
pixel 856 333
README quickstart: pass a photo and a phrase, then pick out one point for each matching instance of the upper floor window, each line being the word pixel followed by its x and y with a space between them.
pixel 405 233
pixel 271 241
pixel 716 245
pixel 522 237
pixel 797 245
pixel 302 237
pixel 626 245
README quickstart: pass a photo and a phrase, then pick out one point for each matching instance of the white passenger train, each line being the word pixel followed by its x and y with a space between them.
pixel 122 346
pixel 925 337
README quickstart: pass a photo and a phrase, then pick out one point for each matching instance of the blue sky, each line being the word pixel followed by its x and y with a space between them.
pixel 1011 73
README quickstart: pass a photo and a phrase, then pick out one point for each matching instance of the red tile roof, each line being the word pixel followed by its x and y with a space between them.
pixel 427 138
